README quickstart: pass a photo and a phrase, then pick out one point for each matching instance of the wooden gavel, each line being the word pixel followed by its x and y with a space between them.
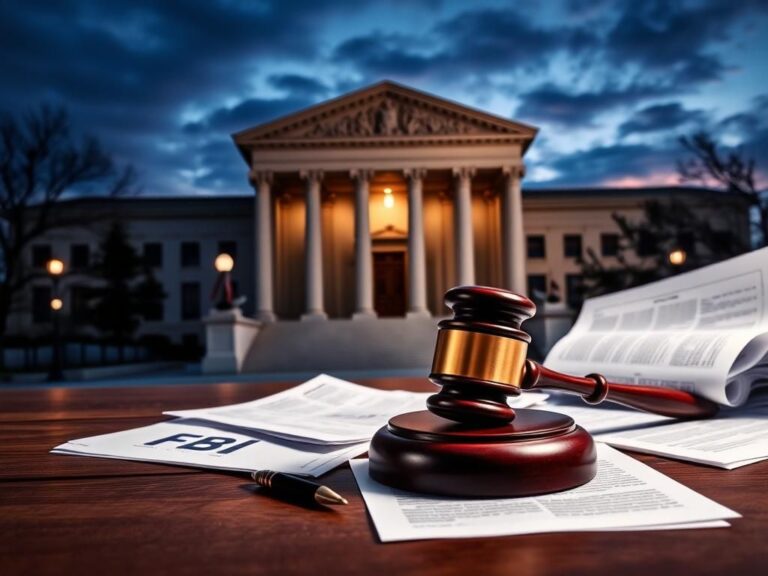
pixel 480 359
pixel 470 442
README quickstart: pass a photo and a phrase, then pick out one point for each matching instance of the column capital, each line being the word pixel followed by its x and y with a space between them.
pixel 260 177
pixel 311 175
pixel 415 173
pixel 362 174
pixel 463 172
pixel 515 171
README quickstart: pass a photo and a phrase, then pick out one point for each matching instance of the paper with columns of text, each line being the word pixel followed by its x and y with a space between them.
pixel 325 410
pixel 625 494
pixel 736 437
pixel 189 442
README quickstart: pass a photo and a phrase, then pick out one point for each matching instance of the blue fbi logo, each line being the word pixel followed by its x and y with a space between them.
pixel 201 443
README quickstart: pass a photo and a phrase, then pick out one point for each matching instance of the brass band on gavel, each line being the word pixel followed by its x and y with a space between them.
pixel 481 356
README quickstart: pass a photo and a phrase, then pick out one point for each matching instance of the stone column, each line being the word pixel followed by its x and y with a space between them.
pixel 313 247
pixel 513 234
pixel 417 264
pixel 363 258
pixel 262 183
pixel 462 211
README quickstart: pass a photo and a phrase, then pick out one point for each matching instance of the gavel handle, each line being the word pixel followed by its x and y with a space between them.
pixel 594 388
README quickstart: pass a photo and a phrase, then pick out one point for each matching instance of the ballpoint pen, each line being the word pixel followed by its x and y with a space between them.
pixel 297 489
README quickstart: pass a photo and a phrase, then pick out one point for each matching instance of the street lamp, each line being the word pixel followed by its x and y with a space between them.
pixel 677 258
pixel 55 269
pixel 224 264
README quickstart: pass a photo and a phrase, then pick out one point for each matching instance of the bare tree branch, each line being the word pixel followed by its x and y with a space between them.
pixel 41 163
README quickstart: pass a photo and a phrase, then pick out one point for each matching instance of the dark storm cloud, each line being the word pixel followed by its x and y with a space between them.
pixel 551 104
pixel 751 127
pixel 144 52
pixel 246 114
pixel 492 40
pixel 674 39
pixel 604 164
pixel 472 42
pixel 127 69
pixel 134 71
pixel 299 85
pixel 659 117
pixel 384 55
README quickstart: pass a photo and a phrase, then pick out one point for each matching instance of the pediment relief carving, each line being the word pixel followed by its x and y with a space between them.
pixel 387 116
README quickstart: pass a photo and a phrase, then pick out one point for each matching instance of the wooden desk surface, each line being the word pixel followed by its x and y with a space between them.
pixel 77 515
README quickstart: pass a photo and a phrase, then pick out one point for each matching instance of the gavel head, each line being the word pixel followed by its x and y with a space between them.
pixel 480 355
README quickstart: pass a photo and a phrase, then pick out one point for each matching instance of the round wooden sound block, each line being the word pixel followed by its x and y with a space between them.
pixel 536 453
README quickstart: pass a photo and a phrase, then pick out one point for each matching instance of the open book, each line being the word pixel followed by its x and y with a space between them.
pixel 705 331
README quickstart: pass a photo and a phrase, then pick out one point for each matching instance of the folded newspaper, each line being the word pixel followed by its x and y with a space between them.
pixel 704 331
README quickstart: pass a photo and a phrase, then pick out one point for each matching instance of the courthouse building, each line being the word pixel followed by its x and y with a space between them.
pixel 370 205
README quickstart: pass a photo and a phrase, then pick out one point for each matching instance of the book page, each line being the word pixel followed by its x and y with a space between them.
pixel 625 494
pixel 701 331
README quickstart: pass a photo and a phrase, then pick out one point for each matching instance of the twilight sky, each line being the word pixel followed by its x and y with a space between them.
pixel 611 84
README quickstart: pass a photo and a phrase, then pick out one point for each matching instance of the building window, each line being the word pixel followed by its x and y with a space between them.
pixel 41 304
pixel 190 301
pixel 537 247
pixel 572 245
pixel 80 256
pixel 574 290
pixel 41 253
pixel 153 254
pixel 537 287
pixel 228 247
pixel 190 254
pixel 609 244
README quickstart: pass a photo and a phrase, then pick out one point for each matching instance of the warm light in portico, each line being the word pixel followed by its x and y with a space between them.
pixel 56 304
pixel 677 257
pixel 224 263
pixel 55 267
pixel 389 200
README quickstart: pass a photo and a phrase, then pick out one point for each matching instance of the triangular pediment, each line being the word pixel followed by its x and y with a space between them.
pixel 384 112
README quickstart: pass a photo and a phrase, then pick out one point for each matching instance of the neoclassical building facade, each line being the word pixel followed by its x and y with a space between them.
pixel 374 203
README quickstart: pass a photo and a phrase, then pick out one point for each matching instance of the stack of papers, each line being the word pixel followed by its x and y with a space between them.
pixel 734 438
pixel 326 410
pixel 309 429
pixel 625 495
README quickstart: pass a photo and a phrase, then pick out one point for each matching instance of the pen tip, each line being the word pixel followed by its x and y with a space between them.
pixel 328 497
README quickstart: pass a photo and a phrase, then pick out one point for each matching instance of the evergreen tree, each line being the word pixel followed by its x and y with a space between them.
pixel 128 289
pixel 645 247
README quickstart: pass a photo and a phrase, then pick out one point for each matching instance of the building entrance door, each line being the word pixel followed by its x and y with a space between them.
pixel 389 283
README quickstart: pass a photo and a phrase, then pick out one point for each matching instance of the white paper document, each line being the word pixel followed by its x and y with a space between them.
pixel 705 332
pixel 736 437
pixel 325 410
pixel 199 444
pixel 625 494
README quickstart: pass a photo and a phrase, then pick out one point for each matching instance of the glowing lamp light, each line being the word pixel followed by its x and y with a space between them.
pixel 224 263
pixel 56 304
pixel 389 200
pixel 677 257
pixel 55 267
